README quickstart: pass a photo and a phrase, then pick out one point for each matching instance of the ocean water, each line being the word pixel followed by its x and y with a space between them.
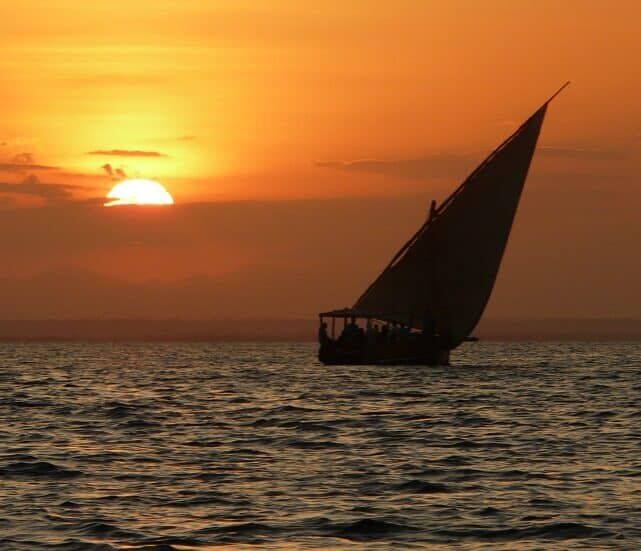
pixel 206 446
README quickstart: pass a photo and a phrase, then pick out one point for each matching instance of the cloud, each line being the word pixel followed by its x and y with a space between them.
pixel 31 186
pixel 23 162
pixel 13 167
pixel 422 167
pixel 449 165
pixel 126 153
pixel 23 159
pixel 582 154
pixel 114 173
pixel 174 139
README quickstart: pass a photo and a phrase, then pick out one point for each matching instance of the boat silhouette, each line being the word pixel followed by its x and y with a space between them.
pixel 433 292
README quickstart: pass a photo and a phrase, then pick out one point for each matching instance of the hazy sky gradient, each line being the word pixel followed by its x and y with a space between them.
pixel 302 144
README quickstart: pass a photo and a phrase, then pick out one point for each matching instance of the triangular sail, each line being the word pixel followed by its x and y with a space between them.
pixel 446 272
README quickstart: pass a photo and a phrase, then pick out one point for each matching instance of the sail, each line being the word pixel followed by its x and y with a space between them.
pixel 446 272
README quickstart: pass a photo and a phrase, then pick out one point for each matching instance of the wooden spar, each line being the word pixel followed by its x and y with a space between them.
pixel 557 92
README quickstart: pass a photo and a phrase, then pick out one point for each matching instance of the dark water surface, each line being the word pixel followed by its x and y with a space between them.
pixel 198 446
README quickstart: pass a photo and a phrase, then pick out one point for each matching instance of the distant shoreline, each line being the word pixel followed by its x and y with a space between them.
pixel 135 330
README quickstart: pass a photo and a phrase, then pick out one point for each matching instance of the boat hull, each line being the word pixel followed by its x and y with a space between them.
pixel 333 353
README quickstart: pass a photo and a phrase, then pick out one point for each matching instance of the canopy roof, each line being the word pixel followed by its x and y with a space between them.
pixel 356 313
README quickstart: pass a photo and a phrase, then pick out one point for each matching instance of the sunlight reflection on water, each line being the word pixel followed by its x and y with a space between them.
pixel 191 446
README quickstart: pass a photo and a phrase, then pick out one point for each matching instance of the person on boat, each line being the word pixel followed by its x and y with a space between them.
pixel 350 334
pixel 378 334
pixel 323 337
pixel 432 210
pixel 404 333
pixel 352 327
pixel 385 333
pixel 370 333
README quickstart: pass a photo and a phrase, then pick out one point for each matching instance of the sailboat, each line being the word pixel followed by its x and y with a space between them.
pixel 433 292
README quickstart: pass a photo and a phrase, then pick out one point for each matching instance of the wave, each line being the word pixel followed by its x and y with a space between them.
pixel 118 410
pixel 314 444
pixel 206 443
pixel 37 469
pixel 245 528
pixel 554 531
pixel 69 544
pixel 102 529
pixel 455 460
pixel 244 532
pixel 489 512
pixel 137 424
pixel 311 426
pixel 369 529
pixel 155 547
pixel 165 544
pixel 200 500
pixel 27 403
pixel 422 487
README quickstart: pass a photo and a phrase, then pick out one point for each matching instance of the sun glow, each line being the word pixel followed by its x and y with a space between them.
pixel 139 192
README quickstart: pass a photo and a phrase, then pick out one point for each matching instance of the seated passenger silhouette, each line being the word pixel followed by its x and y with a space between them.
pixel 370 333
pixel 350 335
pixel 323 337
pixel 378 335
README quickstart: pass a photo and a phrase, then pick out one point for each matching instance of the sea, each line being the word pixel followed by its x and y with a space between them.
pixel 201 446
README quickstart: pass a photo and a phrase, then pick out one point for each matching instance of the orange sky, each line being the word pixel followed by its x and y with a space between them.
pixel 279 101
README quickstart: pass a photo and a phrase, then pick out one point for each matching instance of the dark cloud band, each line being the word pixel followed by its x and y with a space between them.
pixel 31 186
pixel 433 165
pixel 126 153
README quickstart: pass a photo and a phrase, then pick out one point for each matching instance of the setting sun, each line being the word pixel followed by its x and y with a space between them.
pixel 139 192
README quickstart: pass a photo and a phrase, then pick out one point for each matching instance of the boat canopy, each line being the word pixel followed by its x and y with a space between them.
pixel 361 314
